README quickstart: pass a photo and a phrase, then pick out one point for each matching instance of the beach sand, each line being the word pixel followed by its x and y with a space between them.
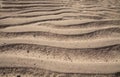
pixel 59 38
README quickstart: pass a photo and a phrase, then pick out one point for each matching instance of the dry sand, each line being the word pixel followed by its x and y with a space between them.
pixel 59 38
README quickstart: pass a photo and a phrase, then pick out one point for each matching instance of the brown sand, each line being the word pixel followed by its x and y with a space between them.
pixel 59 38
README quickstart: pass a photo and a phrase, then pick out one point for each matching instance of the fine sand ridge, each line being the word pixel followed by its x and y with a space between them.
pixel 35 72
pixel 59 38
pixel 12 61
pixel 101 54
pixel 108 33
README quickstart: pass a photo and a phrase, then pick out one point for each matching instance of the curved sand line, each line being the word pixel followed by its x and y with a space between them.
pixel 75 31
pixel 102 54
pixel 22 11
pixel 29 6
pixel 104 33
pixel 31 2
pixel 64 13
pixel 36 72
pixel 85 23
pixel 66 44
pixel 67 67
pixel 54 22
pixel 27 11
pixel 20 21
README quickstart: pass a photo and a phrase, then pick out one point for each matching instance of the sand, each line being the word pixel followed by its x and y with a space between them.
pixel 59 38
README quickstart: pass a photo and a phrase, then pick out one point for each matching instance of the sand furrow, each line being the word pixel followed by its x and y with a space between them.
pixel 64 43
pixel 19 21
pixel 27 11
pixel 98 34
pixel 101 54
pixel 65 67
pixel 41 9
pixel 74 31
pixel 32 6
pixel 31 2
pixel 52 20
pixel 86 23
pixel 63 13
pixel 35 72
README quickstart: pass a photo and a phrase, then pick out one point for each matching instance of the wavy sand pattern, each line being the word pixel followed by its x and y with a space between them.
pixel 59 38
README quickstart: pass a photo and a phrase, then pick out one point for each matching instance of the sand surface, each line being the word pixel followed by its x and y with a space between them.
pixel 59 38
